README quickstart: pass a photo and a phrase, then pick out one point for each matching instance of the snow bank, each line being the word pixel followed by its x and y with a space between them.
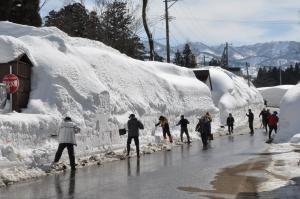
pixel 289 114
pixel 98 87
pixel 231 94
pixel 284 165
pixel 285 160
pixel 273 95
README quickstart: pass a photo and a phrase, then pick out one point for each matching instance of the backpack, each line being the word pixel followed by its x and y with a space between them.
pixel 273 120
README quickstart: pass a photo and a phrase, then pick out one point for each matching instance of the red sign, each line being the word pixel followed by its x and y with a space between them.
pixel 12 82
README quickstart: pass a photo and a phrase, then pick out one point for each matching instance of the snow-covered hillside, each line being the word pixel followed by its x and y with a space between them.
pixel 99 87
pixel 273 95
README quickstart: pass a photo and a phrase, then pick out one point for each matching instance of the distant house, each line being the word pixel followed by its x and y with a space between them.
pixel 21 67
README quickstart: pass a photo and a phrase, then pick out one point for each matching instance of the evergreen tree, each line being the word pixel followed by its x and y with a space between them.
pixel 297 71
pixel 193 61
pixel 72 19
pixel 94 29
pixel 21 11
pixel 271 77
pixel 178 60
pixel 157 57
pixel 5 7
pixel 187 56
pixel 214 62
pixel 116 22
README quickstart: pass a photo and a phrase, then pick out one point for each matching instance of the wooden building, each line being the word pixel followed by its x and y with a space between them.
pixel 21 67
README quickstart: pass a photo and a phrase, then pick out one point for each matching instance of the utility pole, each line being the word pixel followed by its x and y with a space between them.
pixel 247 65
pixel 167 26
pixel 224 58
pixel 204 60
pixel 280 80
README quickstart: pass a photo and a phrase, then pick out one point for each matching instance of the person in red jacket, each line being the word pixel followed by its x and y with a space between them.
pixel 272 122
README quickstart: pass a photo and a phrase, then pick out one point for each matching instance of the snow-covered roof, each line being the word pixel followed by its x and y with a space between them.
pixel 12 48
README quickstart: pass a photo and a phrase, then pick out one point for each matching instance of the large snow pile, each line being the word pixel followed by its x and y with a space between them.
pixel 273 95
pixel 99 87
pixel 289 114
pixel 232 94
pixel 284 165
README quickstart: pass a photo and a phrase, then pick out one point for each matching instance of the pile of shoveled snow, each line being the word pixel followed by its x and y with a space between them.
pixel 284 165
pixel 273 95
pixel 99 87
pixel 289 114
pixel 232 94
pixel 285 155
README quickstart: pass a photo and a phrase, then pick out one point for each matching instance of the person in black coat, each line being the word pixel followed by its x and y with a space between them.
pixel 183 128
pixel 134 125
pixel 203 129
pixel 265 115
pixel 250 120
pixel 230 123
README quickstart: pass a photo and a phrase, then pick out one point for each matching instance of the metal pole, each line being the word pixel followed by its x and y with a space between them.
pixel 11 96
pixel 247 74
pixel 280 80
pixel 167 31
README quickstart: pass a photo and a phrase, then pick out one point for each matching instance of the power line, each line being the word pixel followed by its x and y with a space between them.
pixel 167 7
pixel 242 21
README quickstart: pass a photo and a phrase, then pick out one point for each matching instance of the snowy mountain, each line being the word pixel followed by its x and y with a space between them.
pixel 261 54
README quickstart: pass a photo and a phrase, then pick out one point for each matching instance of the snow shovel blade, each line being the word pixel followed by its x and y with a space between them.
pixel 122 131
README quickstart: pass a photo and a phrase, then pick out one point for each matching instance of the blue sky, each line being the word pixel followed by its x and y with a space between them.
pixel 216 21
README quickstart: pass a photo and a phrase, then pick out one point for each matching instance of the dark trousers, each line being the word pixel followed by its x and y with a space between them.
pixel 70 148
pixel 166 131
pixel 271 129
pixel 230 128
pixel 251 126
pixel 137 144
pixel 184 130
pixel 204 138
pixel 265 124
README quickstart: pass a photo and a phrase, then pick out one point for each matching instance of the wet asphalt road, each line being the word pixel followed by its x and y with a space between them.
pixel 154 176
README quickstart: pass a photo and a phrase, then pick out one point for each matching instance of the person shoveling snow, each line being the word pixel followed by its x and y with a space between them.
pixel 67 139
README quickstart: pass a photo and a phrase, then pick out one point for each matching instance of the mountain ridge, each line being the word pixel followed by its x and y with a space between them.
pixel 273 53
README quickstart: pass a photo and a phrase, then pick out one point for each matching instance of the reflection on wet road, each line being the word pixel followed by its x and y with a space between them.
pixel 153 176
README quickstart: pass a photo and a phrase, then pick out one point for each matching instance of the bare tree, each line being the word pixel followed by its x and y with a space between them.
pixel 68 2
pixel 42 4
pixel 99 6
pixel 149 35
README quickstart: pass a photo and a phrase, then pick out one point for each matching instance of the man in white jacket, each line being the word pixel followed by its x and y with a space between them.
pixel 67 139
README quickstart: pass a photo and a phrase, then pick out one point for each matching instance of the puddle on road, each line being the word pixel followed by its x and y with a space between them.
pixel 234 182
